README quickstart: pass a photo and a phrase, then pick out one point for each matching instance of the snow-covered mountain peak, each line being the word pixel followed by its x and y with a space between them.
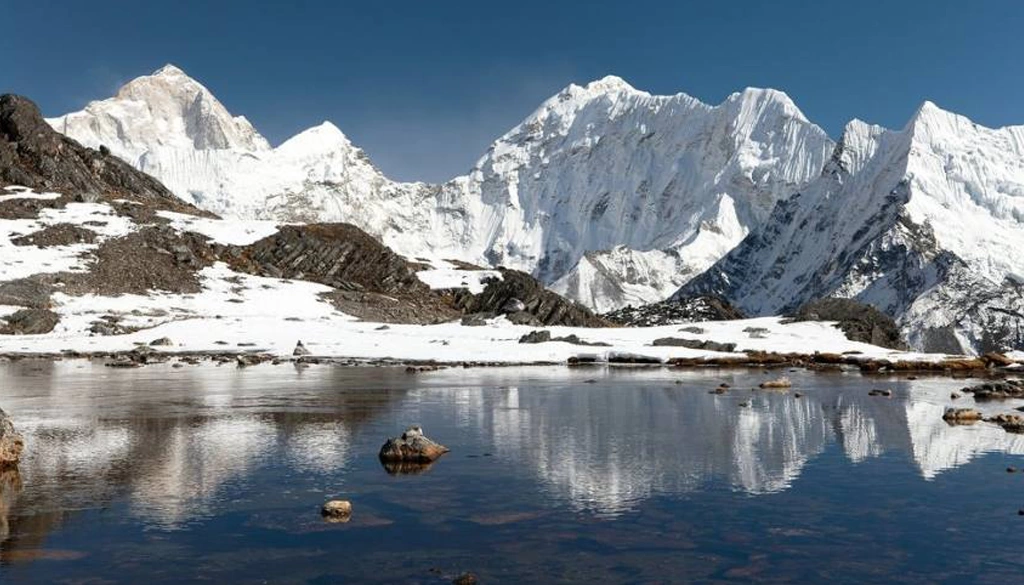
pixel 322 138
pixel 608 84
pixel 169 70
pixel 167 109
pixel 765 100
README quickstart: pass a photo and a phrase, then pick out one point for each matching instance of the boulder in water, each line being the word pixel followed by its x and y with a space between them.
pixel 11 443
pixel 412 446
pixel 300 349
pixel 337 510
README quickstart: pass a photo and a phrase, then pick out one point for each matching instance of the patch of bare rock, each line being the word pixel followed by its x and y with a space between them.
pixel 29 322
pixel 61 234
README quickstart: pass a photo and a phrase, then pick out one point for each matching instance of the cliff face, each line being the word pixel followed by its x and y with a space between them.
pixel 34 155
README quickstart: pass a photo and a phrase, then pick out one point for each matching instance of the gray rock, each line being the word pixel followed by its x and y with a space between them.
pixel 161 342
pixel 30 322
pixel 539 336
pixel 694 344
pixel 476 319
pixel 513 305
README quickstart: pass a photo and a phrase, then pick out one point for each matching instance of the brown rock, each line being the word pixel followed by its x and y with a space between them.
pixel 337 511
pixel 412 446
pixel 961 415
pixel 782 382
pixel 11 443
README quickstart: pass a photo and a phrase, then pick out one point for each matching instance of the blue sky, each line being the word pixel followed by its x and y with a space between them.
pixel 424 86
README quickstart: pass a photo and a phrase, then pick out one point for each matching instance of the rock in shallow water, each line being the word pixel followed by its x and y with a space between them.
pixel 961 415
pixel 412 446
pixel 779 383
pixel 337 510
pixel 11 443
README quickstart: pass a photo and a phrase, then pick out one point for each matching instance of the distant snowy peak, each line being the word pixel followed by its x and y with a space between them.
pixel 167 109
pixel 925 223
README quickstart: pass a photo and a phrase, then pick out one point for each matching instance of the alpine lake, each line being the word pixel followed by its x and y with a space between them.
pixel 206 474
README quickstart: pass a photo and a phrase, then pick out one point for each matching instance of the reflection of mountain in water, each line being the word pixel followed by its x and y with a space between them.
pixel 172 452
pixel 602 448
pixel 605 449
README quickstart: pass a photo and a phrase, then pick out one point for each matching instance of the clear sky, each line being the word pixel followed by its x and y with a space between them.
pixel 425 86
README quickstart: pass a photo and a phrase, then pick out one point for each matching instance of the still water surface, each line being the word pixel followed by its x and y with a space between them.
pixel 215 474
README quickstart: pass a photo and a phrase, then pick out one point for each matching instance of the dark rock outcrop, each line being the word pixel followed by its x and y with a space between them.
pixel 694 344
pixel 674 311
pixel 859 322
pixel 540 305
pixel 371 281
pixel 33 292
pixel 29 322
pixel 544 336
pixel 413 446
pixel 11 443
pixel 34 155
pixel 338 255
pixel 538 336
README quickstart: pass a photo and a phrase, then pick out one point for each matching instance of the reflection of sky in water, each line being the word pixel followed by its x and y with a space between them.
pixel 174 449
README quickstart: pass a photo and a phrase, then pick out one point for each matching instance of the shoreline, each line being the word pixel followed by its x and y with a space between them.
pixel 988 366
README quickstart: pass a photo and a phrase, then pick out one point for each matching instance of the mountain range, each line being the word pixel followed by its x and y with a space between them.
pixel 614 197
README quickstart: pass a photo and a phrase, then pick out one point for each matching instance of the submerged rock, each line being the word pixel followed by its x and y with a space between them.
pixel 782 382
pixel 412 446
pixel 11 443
pixel 466 579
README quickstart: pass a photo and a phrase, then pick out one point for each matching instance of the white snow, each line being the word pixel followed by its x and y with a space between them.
pixel 25 193
pixel 444 275
pixel 237 232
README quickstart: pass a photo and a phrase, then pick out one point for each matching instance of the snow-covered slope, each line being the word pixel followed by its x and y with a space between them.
pixel 926 223
pixel 668 183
